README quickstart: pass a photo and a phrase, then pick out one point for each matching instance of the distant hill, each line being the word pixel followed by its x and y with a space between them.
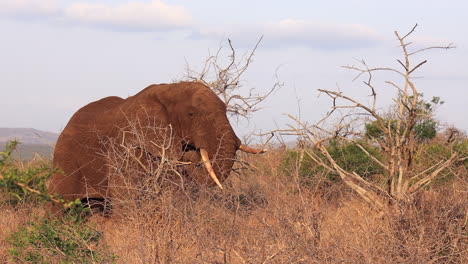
pixel 29 151
pixel 28 136
pixel 32 142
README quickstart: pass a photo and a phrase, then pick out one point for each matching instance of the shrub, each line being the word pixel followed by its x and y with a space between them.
pixel 433 152
pixel 425 127
pixel 59 240
pixel 347 155
pixel 307 168
pixel 25 185
pixel 46 240
pixel 352 158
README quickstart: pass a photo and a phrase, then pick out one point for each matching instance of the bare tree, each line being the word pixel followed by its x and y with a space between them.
pixel 224 77
pixel 396 136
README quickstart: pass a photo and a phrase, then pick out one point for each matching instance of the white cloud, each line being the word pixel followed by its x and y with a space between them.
pixel 133 15
pixel 291 32
pixel 154 15
pixel 28 8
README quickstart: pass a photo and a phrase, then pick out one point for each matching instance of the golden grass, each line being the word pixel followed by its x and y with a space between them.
pixel 270 216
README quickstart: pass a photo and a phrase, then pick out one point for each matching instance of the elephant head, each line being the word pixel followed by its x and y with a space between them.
pixel 202 137
pixel 204 132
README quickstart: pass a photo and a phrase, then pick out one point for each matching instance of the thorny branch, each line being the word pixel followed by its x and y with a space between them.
pixel 226 81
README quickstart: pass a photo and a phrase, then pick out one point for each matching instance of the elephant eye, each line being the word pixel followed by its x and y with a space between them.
pixel 190 114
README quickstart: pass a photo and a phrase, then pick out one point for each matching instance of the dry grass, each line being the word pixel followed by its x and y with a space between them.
pixel 269 216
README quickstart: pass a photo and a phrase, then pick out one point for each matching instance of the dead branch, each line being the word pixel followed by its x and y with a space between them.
pixel 421 183
pixel 226 81
pixel 397 140
pixel 449 46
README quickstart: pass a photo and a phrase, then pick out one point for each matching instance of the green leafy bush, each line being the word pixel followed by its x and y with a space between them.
pixel 347 155
pixel 59 240
pixel 307 167
pixel 25 185
pixel 352 158
pixel 424 130
pixel 434 152
pixel 67 239
pixel 425 127
pixel 373 130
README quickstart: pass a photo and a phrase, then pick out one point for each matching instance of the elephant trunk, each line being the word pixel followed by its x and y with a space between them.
pixel 221 153
pixel 215 145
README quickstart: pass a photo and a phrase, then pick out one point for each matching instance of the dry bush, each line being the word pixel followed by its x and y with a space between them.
pixel 267 215
pixel 362 122
pixel 140 163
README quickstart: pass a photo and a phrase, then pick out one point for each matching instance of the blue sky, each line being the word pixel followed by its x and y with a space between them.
pixel 58 55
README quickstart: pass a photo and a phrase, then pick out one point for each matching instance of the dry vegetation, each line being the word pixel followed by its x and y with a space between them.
pixel 273 212
pixel 269 215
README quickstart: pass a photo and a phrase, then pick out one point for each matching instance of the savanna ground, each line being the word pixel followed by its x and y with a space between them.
pixel 270 213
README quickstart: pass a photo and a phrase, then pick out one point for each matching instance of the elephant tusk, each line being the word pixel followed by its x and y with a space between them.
pixel 209 168
pixel 252 150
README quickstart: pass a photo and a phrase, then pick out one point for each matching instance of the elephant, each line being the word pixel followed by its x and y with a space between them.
pixel 195 116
